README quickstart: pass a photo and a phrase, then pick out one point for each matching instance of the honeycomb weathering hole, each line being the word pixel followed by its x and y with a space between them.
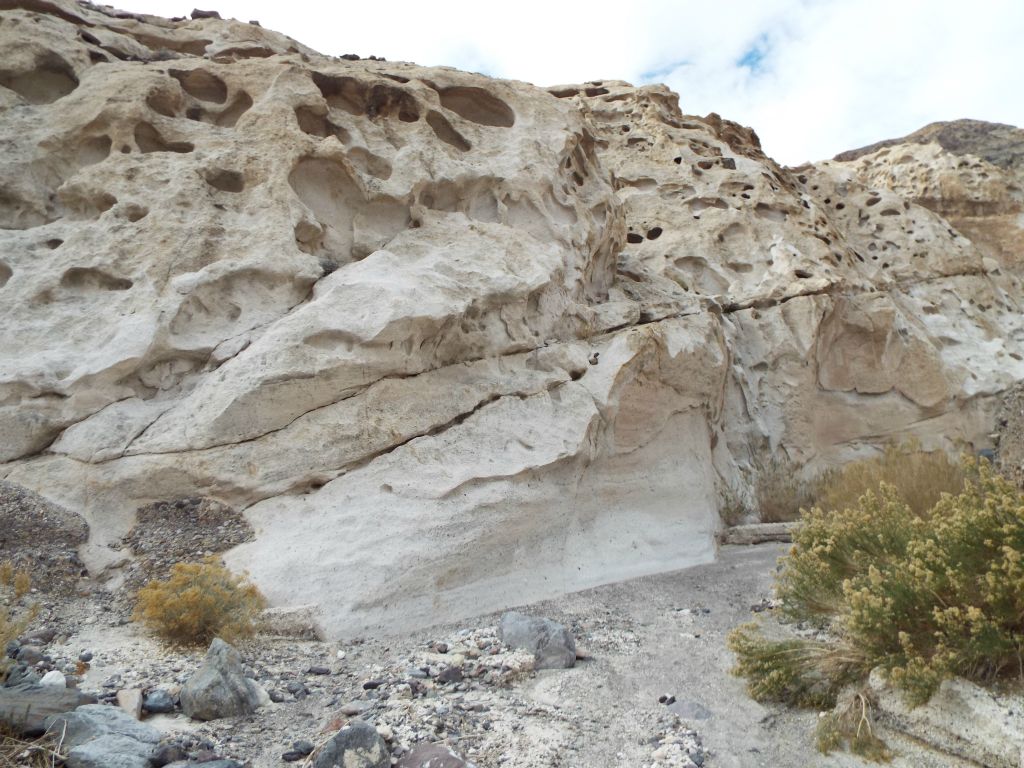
pixel 238 107
pixel 48 81
pixel 148 139
pixel 224 180
pixel 201 85
pixel 445 132
pixel 315 124
pixel 373 101
pixel 369 163
pixel 330 192
pixel 5 274
pixel 478 106
pixel 84 279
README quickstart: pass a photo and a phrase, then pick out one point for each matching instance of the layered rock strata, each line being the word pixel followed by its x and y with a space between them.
pixel 452 343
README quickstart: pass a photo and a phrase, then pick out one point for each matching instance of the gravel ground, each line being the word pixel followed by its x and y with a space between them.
pixel 653 688
pixel 41 537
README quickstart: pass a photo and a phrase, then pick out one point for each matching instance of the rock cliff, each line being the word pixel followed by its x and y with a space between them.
pixel 451 342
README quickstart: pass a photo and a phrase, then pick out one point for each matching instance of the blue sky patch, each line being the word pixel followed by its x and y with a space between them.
pixel 753 57
pixel 660 73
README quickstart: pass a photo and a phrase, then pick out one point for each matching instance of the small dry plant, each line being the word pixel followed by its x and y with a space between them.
pixel 781 493
pixel 198 602
pixel 851 726
pixel 15 584
pixel 16 751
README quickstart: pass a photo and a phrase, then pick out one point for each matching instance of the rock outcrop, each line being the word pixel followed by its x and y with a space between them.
pixel 453 343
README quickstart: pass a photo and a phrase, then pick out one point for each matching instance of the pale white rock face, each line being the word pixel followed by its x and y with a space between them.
pixel 452 343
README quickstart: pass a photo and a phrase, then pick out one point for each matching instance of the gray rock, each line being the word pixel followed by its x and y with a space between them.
pixel 29 654
pixel 357 745
pixel 354 708
pixel 432 756
pixel 110 751
pixel 551 644
pixel 28 708
pixel 95 721
pixel 168 753
pixel 219 688
pixel 158 701
pixel 22 675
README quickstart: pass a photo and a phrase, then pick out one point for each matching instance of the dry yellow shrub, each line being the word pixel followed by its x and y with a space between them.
pixel 198 602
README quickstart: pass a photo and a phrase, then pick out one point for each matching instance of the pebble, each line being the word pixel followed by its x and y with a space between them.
pixel 54 679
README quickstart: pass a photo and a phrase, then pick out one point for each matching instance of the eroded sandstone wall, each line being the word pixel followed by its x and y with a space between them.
pixel 452 343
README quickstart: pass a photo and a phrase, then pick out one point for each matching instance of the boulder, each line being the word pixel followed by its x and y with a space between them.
pixel 26 707
pixel 551 643
pixel 110 751
pixel 219 688
pixel 94 721
pixel 157 701
pixel 357 745
pixel 101 736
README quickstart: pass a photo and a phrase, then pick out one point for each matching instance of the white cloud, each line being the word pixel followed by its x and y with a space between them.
pixel 832 74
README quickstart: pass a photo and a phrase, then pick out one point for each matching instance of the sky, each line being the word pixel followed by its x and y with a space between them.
pixel 812 77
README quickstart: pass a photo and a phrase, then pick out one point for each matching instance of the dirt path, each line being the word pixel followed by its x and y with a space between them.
pixel 671 632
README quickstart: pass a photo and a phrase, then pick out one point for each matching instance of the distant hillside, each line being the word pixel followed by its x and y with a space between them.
pixel 999 144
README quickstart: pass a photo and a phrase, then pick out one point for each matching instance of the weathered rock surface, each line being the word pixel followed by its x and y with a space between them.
pixel 357 745
pixel 432 756
pixel 219 688
pixel 453 343
pixel 961 719
pixel 551 644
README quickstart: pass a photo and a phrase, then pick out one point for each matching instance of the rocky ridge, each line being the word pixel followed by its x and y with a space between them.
pixel 452 343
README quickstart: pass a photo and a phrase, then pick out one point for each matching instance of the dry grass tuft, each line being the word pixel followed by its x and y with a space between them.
pixel 780 492
pixel 919 478
pixel 19 752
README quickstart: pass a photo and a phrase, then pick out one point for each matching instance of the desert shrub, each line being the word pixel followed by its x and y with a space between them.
pixel 924 596
pixel 781 493
pixel 199 601
pixel 731 507
pixel 920 478
pixel 831 547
